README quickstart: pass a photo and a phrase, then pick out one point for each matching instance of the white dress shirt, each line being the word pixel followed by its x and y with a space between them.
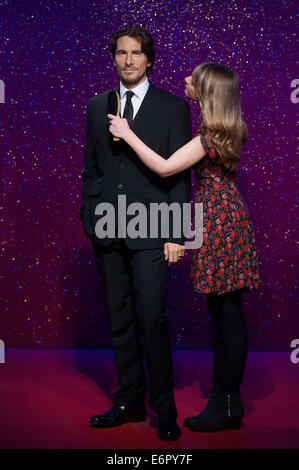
pixel 136 100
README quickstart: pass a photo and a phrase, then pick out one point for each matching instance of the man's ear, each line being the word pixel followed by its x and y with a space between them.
pixel 148 64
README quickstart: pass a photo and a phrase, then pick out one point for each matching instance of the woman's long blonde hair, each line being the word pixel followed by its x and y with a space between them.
pixel 217 89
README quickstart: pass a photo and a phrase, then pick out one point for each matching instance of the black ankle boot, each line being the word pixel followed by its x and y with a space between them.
pixel 223 411
pixel 215 393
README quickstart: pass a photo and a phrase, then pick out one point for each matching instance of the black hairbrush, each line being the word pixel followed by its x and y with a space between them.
pixel 114 106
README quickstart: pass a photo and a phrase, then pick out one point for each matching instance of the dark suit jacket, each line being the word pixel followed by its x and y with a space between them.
pixel 112 168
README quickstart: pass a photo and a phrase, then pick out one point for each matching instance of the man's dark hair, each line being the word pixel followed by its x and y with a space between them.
pixel 137 32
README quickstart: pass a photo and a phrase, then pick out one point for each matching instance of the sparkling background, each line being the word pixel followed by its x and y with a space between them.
pixel 54 57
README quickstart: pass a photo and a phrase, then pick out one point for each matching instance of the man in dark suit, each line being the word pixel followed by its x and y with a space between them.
pixel 134 270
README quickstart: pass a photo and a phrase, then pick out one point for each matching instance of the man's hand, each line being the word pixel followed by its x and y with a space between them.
pixel 173 252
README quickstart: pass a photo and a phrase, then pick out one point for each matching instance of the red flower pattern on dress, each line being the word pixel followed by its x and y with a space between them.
pixel 227 259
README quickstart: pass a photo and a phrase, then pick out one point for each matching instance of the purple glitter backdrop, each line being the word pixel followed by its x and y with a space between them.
pixel 54 58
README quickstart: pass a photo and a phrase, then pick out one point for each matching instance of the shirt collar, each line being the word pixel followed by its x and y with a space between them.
pixel 139 91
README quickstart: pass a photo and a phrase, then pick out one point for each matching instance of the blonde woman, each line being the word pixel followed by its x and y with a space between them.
pixel 226 264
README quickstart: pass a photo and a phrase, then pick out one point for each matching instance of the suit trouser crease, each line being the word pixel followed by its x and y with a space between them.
pixel 134 287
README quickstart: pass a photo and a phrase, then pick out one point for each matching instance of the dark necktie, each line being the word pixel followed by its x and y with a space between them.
pixel 128 111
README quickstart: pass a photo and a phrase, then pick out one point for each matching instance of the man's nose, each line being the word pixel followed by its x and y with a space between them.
pixel 129 58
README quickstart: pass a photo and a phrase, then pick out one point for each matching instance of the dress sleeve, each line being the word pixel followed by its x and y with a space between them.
pixel 206 144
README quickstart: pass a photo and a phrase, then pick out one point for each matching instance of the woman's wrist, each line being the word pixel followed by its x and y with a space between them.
pixel 128 135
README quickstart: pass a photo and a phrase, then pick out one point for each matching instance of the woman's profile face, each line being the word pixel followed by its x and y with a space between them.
pixel 189 89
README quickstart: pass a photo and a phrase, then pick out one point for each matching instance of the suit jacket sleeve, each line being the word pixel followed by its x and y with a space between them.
pixel 90 169
pixel 180 184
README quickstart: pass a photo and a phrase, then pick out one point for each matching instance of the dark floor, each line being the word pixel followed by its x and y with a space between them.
pixel 48 395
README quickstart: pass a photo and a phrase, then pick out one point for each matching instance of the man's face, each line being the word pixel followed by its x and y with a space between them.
pixel 189 89
pixel 130 62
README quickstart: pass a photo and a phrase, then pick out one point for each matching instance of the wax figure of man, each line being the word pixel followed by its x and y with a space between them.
pixel 133 271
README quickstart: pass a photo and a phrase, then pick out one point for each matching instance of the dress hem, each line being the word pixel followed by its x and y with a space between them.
pixel 225 291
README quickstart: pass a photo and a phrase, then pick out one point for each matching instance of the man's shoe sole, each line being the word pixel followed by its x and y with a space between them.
pixel 165 438
pixel 136 419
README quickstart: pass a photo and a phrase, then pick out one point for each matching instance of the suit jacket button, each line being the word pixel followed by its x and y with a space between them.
pixel 120 186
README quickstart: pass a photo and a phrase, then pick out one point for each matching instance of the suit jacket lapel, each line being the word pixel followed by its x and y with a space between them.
pixel 146 109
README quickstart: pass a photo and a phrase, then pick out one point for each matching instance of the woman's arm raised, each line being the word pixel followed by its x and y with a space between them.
pixel 182 159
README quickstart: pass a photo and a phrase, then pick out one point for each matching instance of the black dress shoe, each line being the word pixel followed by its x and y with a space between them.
pixel 168 429
pixel 118 415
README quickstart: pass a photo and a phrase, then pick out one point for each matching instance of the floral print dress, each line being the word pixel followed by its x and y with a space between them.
pixel 227 259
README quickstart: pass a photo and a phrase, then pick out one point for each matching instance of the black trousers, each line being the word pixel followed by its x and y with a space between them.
pixel 134 288
pixel 230 345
